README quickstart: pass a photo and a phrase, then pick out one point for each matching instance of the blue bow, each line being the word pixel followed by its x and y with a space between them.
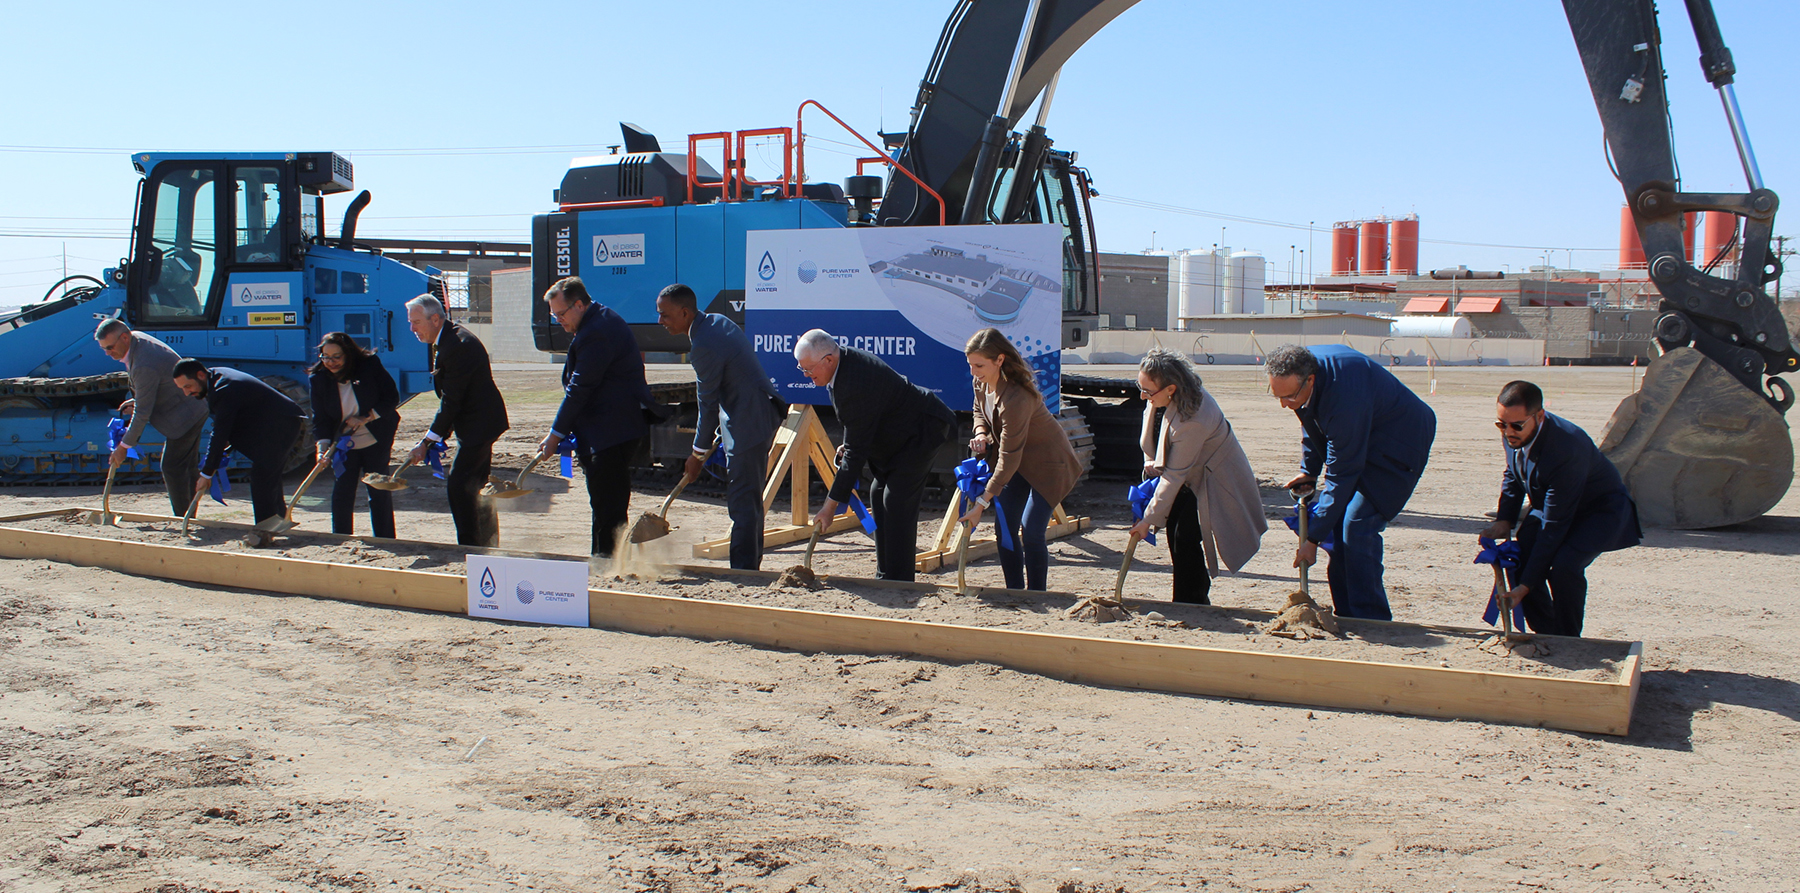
pixel 339 454
pixel 115 434
pixel 1139 497
pixel 434 457
pixel 1505 555
pixel 566 449
pixel 972 476
pixel 221 484
pixel 1312 522
pixel 862 513
pixel 717 461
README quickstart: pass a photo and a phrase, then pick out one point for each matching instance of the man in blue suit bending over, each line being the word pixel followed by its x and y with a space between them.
pixel 250 418
pixel 1579 508
pixel 737 409
pixel 1366 439
pixel 604 399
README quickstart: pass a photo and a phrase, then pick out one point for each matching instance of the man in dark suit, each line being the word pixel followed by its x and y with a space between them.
pixel 469 406
pixel 155 400
pixel 738 408
pixel 891 425
pixel 1369 436
pixel 253 420
pixel 604 398
pixel 1579 508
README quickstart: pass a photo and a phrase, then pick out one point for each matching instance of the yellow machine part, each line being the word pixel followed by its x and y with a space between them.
pixel 1696 447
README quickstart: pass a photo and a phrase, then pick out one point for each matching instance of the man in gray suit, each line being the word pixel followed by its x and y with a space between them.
pixel 738 408
pixel 156 400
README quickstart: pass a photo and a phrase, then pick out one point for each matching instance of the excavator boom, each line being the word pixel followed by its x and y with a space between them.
pixel 1704 442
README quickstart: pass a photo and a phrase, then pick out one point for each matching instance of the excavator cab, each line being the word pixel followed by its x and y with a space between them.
pixel 1060 196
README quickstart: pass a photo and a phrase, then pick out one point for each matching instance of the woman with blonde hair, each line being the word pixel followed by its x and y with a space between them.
pixel 1034 467
pixel 1206 497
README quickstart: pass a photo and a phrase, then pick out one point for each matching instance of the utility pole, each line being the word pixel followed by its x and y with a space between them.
pixel 1780 252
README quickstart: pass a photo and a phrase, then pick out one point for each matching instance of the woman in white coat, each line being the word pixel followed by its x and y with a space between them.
pixel 1207 502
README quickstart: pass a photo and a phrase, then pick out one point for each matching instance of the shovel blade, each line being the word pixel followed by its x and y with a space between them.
pixel 648 527
pixel 276 525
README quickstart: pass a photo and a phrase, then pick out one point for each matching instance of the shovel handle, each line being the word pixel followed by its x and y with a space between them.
pixel 1500 590
pixel 682 484
pixel 195 504
pixel 1301 498
pixel 396 475
pixel 1124 568
pixel 814 541
pixel 304 483
pixel 962 559
pixel 106 494
pixel 520 480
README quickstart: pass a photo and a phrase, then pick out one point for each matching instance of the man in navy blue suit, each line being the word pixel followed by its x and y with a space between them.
pixel 253 420
pixel 1579 508
pixel 737 408
pixel 604 399
pixel 1368 436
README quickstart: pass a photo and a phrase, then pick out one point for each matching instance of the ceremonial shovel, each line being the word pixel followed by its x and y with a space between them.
pixel 392 482
pixel 105 516
pixel 655 526
pixel 501 488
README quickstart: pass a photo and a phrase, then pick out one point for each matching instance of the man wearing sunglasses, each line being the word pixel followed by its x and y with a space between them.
pixel 1579 508
pixel 1366 439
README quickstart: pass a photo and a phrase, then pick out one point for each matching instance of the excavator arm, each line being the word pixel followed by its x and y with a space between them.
pixel 1703 443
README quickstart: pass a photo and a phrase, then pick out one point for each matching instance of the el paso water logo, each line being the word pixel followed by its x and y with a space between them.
pixel 618 249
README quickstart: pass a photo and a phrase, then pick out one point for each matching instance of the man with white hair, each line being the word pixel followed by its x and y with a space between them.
pixel 156 400
pixel 470 406
pixel 891 425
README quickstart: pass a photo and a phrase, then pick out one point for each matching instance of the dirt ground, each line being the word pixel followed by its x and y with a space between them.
pixel 174 738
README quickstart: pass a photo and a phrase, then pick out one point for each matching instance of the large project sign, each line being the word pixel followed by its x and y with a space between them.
pixel 910 295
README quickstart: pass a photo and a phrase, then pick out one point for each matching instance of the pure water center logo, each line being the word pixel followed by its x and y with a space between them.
pixel 487 583
pixel 525 592
pixel 765 269
pixel 807 271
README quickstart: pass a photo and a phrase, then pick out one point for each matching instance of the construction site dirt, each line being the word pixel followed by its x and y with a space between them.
pixel 161 736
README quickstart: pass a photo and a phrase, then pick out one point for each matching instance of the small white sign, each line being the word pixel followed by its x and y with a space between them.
pixel 618 249
pixel 528 589
pixel 259 294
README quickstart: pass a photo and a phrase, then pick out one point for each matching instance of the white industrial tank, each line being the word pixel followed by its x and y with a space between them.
pixel 1244 279
pixel 1431 327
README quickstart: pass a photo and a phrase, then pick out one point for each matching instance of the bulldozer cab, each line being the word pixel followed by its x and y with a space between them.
pixel 198 221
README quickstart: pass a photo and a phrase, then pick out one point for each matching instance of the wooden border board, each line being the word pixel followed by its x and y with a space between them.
pixel 1572 704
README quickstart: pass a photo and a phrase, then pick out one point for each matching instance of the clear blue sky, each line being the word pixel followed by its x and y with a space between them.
pixel 462 117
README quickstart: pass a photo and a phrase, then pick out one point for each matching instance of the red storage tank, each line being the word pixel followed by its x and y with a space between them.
pixel 1374 248
pixel 1721 226
pixel 1403 247
pixel 1631 248
pixel 1690 227
pixel 1343 250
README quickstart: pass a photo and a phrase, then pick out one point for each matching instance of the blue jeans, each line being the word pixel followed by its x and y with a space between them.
pixel 1027 517
pixel 1355 568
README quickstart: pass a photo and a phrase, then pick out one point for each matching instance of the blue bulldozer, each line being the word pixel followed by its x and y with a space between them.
pixel 229 264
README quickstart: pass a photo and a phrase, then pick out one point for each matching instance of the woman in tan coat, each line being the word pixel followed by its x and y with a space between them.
pixel 1034 465
pixel 1206 500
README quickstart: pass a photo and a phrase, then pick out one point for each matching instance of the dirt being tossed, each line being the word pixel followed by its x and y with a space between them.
pixel 1099 609
pixel 798 577
pixel 1302 618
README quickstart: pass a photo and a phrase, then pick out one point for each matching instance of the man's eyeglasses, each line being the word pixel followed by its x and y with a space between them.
pixel 1515 427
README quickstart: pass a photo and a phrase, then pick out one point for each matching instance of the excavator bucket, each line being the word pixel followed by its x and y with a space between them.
pixel 1696 447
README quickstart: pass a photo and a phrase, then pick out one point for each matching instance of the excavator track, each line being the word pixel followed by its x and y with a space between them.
pixel 80 462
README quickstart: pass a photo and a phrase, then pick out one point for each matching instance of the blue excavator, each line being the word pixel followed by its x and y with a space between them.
pixel 229 264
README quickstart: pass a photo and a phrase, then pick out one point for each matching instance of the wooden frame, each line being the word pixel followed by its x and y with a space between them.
pixel 1573 704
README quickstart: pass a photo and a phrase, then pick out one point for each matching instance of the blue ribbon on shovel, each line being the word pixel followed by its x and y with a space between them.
pixel 566 449
pixel 339 455
pixel 221 484
pixel 1139 496
pixel 115 434
pixel 434 457
pixel 1505 555
pixel 972 476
